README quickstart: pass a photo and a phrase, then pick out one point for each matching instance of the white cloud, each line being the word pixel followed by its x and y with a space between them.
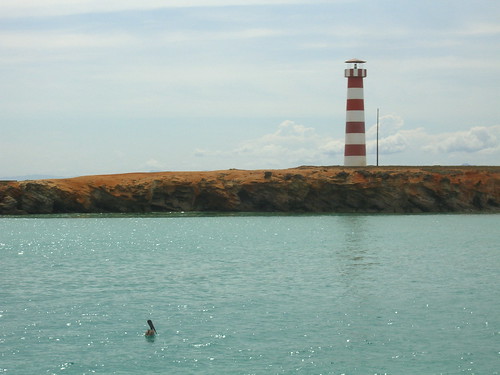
pixel 290 137
pixel 388 124
pixel 394 138
pixel 189 36
pixel 43 40
pixel 292 144
pixel 153 165
pixel 37 8
pixel 478 145
pixel 479 138
pixel 481 29
pixel 48 40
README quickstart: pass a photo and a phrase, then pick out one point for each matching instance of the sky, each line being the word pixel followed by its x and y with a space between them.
pixel 116 86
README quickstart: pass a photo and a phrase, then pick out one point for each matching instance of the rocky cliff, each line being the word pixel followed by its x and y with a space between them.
pixel 303 189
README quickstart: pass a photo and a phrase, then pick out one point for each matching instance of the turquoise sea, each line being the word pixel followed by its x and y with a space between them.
pixel 250 294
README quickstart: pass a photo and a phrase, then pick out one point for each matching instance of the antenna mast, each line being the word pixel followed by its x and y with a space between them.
pixel 377 136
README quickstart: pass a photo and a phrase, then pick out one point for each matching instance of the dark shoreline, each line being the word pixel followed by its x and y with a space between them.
pixel 307 189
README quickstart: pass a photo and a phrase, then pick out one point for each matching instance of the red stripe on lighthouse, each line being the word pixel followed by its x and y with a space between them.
pixel 355 82
pixel 355 150
pixel 354 127
pixel 355 104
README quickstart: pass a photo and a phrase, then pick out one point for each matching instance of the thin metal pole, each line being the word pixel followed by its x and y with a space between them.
pixel 377 137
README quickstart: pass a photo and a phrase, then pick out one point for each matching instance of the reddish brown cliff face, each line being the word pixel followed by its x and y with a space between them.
pixel 303 189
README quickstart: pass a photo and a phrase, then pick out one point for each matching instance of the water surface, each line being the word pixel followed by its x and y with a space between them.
pixel 251 294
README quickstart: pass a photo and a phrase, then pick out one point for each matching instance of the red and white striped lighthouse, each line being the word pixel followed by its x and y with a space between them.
pixel 355 146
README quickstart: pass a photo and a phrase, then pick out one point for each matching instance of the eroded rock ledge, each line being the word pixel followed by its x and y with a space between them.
pixel 302 189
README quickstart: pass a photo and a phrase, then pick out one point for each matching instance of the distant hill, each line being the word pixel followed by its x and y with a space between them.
pixel 30 177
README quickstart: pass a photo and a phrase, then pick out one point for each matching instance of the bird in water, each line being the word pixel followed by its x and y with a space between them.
pixel 152 330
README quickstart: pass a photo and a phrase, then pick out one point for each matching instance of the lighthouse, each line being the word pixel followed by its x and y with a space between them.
pixel 355 145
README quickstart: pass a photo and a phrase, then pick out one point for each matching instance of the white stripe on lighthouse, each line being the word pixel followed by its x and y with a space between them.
pixel 355 116
pixel 354 161
pixel 355 138
pixel 354 93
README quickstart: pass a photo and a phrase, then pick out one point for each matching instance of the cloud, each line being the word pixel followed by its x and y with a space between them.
pixel 477 145
pixel 476 139
pixel 50 40
pixel 189 36
pixel 37 8
pixel 297 141
pixel 289 144
pixel 292 144
pixel 153 165
pixel 394 138
pixel 44 40
pixel 388 124
pixel 481 29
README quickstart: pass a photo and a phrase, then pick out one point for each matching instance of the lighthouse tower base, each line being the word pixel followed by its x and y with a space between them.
pixel 355 161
